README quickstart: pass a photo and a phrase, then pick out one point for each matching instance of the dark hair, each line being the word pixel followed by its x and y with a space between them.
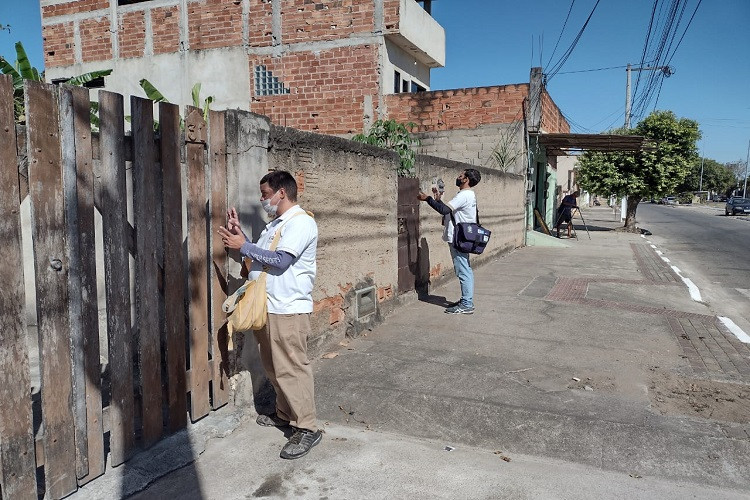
pixel 473 175
pixel 281 179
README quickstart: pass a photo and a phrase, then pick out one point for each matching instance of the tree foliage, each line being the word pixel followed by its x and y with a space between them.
pixel 717 177
pixel 23 70
pixel 655 171
pixel 390 134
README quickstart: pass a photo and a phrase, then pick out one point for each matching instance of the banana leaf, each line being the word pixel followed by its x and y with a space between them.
pixel 151 91
pixel 197 95
pixel 24 65
pixel 7 69
pixel 85 78
pixel 206 104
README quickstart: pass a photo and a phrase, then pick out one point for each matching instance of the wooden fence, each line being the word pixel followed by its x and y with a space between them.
pixel 154 375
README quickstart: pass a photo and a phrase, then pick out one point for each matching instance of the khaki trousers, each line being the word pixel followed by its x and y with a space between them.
pixel 283 352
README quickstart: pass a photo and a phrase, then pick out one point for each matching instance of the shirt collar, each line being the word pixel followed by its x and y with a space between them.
pixel 292 210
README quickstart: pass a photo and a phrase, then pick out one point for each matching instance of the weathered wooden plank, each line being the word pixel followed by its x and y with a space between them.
pixel 145 207
pixel 218 173
pixel 195 131
pixel 51 268
pixel 174 266
pixel 89 321
pixel 75 296
pixel 17 467
pixel 113 206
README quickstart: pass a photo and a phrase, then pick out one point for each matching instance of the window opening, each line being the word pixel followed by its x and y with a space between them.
pixel 405 86
pixel 396 82
pixel 415 87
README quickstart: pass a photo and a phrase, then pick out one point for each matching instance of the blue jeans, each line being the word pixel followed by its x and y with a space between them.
pixel 465 276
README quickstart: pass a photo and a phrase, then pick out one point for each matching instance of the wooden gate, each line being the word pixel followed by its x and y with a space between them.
pixel 408 233
pixel 73 175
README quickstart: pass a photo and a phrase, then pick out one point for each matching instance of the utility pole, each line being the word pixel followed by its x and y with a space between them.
pixel 700 184
pixel 664 69
pixel 744 190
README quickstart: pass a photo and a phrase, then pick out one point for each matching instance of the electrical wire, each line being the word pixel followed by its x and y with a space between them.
pixel 564 58
pixel 565 23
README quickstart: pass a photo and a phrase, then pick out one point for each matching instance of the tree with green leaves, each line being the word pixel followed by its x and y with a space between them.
pixel 390 134
pixel 23 70
pixel 654 171
pixel 717 177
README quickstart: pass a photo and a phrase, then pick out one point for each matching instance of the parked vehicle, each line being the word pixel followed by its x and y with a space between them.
pixel 669 200
pixel 737 205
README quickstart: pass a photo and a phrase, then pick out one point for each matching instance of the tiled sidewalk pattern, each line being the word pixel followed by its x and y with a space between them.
pixel 652 267
pixel 705 342
pixel 710 349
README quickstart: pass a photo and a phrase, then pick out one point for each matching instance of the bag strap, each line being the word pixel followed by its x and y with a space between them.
pixel 277 235
pixel 476 205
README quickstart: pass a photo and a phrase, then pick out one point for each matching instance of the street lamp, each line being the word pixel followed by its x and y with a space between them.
pixel 668 71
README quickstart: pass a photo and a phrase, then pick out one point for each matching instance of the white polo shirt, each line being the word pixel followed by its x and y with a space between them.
pixel 290 291
pixel 464 206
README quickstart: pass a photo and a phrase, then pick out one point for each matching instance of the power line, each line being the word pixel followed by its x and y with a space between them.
pixel 565 23
pixel 589 70
pixel 563 59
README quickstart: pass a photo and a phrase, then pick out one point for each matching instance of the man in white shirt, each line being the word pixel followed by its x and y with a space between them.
pixel 463 208
pixel 291 269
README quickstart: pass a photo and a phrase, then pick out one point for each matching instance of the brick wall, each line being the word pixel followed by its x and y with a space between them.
pixel 327 89
pixel 261 28
pixel 553 121
pixel 131 34
pixel 214 23
pixel 58 44
pixel 391 14
pixel 460 108
pixel 96 40
pixel 73 7
pixel 165 27
pixel 306 21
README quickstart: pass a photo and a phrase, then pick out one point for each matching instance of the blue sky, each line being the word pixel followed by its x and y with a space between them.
pixel 495 42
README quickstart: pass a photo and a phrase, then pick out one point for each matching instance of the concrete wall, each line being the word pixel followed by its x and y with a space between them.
pixel 498 147
pixel 352 189
pixel 500 201
pixel 174 75
pixel 396 58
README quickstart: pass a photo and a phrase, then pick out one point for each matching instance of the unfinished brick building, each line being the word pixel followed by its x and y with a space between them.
pixel 318 65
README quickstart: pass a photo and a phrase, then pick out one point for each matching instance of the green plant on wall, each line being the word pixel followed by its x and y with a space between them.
pixel 507 151
pixel 23 70
pixel 153 93
pixel 390 134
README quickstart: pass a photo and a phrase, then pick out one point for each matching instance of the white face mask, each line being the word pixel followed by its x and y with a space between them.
pixel 270 209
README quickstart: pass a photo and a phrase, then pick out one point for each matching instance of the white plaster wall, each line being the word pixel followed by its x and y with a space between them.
pixel 396 58
pixel 223 73
pixel 419 28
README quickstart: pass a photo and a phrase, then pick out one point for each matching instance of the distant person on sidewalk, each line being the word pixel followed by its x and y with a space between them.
pixel 291 269
pixel 464 209
pixel 565 211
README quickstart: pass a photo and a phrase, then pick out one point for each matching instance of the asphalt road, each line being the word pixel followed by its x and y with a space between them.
pixel 711 249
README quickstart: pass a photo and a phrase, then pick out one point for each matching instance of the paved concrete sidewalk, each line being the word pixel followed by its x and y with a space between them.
pixel 589 367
